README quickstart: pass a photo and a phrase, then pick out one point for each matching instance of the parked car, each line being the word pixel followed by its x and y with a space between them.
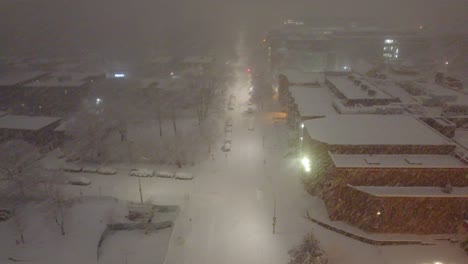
pixel 183 175
pixel 226 147
pixel 107 171
pixel 165 174
pixel 251 124
pixel 72 168
pixel 141 173
pixel 82 181
pixel 90 169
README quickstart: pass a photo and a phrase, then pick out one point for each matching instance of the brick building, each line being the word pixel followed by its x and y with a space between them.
pixel 386 173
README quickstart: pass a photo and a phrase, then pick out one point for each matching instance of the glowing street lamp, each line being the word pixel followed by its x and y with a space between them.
pixel 302 137
pixel 306 164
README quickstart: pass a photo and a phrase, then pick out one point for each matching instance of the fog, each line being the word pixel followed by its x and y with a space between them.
pixel 132 29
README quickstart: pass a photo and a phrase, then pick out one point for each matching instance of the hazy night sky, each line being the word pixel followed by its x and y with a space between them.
pixel 117 27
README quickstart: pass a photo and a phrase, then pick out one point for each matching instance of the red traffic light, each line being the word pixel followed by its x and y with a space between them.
pixel 248 70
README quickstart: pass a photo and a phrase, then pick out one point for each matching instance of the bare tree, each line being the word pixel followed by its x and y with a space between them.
pixel 88 131
pixel 210 130
pixel 57 205
pixel 19 165
pixel 20 224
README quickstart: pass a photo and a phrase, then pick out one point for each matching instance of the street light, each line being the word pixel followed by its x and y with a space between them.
pixel 302 137
pixel 306 164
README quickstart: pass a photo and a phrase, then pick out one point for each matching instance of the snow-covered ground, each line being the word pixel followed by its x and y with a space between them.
pixel 85 221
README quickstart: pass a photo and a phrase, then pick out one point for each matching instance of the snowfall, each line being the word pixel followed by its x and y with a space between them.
pixel 226 212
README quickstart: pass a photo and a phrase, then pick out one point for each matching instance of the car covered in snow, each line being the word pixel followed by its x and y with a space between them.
pixel 107 171
pixel 141 173
pixel 251 109
pixel 72 168
pixel 183 175
pixel 226 146
pixel 229 122
pixel 164 174
pixel 82 181
pixel 89 169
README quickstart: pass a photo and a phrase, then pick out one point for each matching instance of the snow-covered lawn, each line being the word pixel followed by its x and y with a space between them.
pixel 85 220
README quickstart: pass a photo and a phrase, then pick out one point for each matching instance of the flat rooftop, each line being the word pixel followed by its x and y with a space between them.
pixel 395 161
pixel 351 91
pixel 313 101
pixel 11 78
pixel 413 191
pixel 198 59
pixel 20 122
pixel 301 77
pixel 59 80
pixel 373 130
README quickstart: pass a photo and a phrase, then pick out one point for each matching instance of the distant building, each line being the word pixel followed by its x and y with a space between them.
pixel 37 130
pixel 10 83
pixel 55 94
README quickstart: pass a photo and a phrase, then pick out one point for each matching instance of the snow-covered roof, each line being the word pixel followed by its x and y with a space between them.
pixel 198 59
pixel 313 101
pixel 161 60
pixel 395 161
pixel 164 83
pixel 352 91
pixel 373 130
pixel 20 122
pixel 59 80
pixel 413 191
pixel 301 77
pixel 11 78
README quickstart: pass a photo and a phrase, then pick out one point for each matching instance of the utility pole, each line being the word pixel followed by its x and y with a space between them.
pixel 274 214
pixel 141 193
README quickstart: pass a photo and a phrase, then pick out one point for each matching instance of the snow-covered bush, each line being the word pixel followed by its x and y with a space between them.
pixel 308 252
